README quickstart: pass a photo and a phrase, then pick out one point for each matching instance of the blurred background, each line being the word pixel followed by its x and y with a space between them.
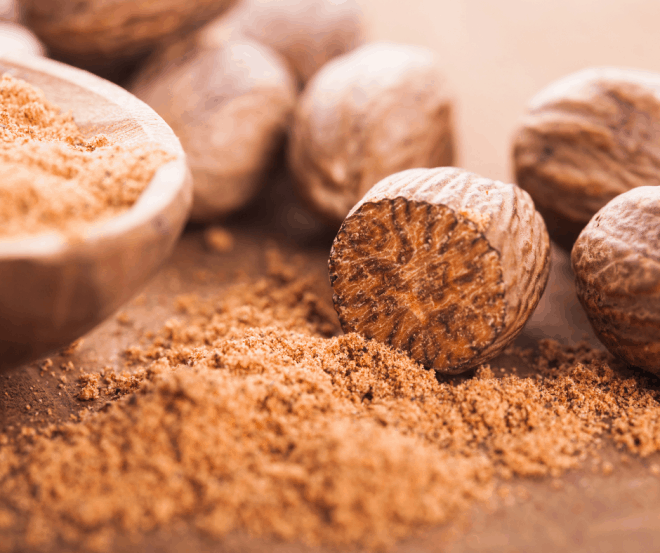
pixel 497 55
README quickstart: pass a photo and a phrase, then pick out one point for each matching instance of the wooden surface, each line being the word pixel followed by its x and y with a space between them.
pixel 55 289
pixel 497 55
pixel 581 511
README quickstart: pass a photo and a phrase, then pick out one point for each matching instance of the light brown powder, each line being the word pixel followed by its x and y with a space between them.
pixel 51 176
pixel 218 239
pixel 245 413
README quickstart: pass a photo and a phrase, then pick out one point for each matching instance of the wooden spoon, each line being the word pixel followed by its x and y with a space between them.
pixel 53 290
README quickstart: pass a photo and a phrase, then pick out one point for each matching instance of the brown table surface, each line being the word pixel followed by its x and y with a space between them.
pixel 497 55
pixel 581 511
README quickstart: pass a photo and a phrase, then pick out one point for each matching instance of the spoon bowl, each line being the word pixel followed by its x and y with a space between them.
pixel 54 289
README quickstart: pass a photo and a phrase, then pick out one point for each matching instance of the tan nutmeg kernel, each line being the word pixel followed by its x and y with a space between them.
pixel 16 39
pixel 586 139
pixel 441 263
pixel 307 33
pixel 8 10
pixel 616 261
pixel 97 34
pixel 230 105
pixel 381 109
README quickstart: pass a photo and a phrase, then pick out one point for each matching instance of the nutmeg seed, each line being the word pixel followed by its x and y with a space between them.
pixel 441 263
pixel 229 103
pixel 307 33
pixel 381 109
pixel 16 39
pixel 585 139
pixel 101 34
pixel 616 261
pixel 8 10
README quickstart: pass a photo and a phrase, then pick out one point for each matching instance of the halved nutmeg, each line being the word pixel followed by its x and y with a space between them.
pixel 441 263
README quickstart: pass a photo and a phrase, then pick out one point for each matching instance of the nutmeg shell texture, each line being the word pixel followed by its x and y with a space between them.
pixel 586 139
pixel 441 263
pixel 616 261
pixel 307 33
pixel 230 104
pixel 381 109
pixel 101 34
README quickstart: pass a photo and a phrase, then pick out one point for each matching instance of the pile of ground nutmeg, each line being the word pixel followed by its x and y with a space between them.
pixel 250 411
pixel 51 176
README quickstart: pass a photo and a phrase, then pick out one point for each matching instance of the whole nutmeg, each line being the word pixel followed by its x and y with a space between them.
pixel 381 109
pixel 16 39
pixel 616 261
pixel 8 10
pixel 229 103
pixel 307 33
pixel 101 34
pixel 585 139
pixel 441 263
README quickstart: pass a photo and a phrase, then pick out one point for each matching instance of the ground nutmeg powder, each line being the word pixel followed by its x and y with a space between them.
pixel 249 411
pixel 51 176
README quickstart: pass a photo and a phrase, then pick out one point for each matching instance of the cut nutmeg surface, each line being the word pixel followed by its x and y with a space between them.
pixel 616 261
pixel 441 263
pixel 586 139
pixel 381 109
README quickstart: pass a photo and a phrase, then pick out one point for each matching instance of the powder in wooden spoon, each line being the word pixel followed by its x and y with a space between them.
pixel 244 415
pixel 51 176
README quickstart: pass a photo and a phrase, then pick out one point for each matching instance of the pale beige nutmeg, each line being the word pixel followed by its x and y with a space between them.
pixel 381 109
pixel 441 263
pixel 616 261
pixel 585 139
pixel 307 33
pixel 8 10
pixel 16 39
pixel 99 34
pixel 230 104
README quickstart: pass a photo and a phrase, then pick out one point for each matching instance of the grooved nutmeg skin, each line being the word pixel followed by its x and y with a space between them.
pixel 616 261
pixel 230 104
pixel 441 263
pixel 586 139
pixel 307 33
pixel 95 34
pixel 381 109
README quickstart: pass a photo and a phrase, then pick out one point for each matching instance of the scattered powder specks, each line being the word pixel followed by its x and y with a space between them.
pixel 248 412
